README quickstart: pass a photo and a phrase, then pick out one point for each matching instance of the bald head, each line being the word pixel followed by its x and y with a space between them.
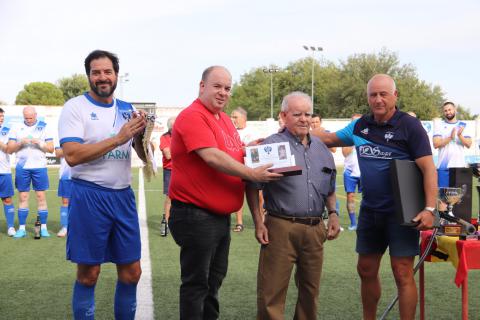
pixel 29 115
pixel 385 79
pixel 215 88
pixel 382 97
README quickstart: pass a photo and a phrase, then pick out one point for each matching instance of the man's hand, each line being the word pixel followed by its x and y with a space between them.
pixel 452 134
pixel 425 220
pixel 261 233
pixel 460 130
pixel 133 127
pixel 255 142
pixel 333 226
pixel 261 174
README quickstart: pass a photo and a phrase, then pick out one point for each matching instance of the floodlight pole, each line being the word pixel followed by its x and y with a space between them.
pixel 271 71
pixel 313 49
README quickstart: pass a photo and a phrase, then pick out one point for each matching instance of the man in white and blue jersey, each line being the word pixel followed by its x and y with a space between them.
pixel 351 179
pixel 64 191
pixel 31 140
pixel 6 186
pixel 380 137
pixel 450 137
pixel 96 133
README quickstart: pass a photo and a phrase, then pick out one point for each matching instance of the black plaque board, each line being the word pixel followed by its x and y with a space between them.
pixel 407 187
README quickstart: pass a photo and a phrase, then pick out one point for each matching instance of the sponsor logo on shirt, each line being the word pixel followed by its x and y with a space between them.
pixel 388 135
pixel 93 116
pixel 367 151
pixel 364 131
pixel 117 155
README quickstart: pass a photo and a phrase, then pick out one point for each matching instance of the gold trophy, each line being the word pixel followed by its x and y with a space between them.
pixel 456 226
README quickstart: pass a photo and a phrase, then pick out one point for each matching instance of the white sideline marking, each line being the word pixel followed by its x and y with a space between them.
pixel 144 289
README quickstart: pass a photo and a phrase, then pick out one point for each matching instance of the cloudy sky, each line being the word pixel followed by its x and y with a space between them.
pixel 165 45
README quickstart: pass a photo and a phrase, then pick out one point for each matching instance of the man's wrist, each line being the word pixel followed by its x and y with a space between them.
pixel 429 209
pixel 330 212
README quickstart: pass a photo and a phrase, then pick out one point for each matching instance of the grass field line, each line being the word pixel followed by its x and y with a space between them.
pixel 144 291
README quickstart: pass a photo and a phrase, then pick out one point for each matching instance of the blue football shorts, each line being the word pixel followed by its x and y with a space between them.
pixel 102 225
pixel 64 188
pixel 378 230
pixel 37 177
pixel 350 183
pixel 6 185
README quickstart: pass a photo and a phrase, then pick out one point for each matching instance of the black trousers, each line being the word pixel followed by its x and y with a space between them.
pixel 204 240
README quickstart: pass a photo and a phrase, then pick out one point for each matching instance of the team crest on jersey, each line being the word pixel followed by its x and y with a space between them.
pixel 93 116
pixel 127 115
pixel 364 131
pixel 388 135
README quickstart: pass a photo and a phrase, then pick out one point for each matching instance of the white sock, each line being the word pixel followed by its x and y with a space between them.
pixel 21 227
pixel 44 226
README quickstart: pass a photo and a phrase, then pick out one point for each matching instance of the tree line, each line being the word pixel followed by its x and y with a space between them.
pixel 339 89
pixel 49 94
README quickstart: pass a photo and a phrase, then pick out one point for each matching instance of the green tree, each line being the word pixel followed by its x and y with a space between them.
pixel 340 90
pixel 73 86
pixel 40 93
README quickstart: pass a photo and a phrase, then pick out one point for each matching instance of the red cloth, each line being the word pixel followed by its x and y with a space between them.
pixel 193 181
pixel 468 258
pixel 165 142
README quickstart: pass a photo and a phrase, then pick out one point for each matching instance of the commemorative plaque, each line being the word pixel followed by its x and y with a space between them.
pixel 276 153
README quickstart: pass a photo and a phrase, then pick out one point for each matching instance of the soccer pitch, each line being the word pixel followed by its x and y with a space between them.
pixel 36 281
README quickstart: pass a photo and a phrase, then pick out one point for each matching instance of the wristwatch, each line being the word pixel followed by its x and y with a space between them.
pixel 430 209
pixel 332 211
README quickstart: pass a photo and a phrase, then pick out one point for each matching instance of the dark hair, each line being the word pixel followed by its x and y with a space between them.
pixel 316 115
pixel 2 111
pixel 446 103
pixel 97 54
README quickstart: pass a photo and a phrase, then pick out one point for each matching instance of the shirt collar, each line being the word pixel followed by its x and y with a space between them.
pixel 294 138
pixel 390 122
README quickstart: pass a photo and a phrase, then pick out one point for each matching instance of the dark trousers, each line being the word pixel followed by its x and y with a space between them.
pixel 204 240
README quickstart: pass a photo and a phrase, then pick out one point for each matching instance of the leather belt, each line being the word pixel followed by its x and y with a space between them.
pixel 309 221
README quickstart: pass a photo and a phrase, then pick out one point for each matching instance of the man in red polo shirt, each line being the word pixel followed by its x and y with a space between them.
pixel 165 142
pixel 206 187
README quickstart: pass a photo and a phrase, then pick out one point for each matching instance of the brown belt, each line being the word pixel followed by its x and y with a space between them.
pixel 309 221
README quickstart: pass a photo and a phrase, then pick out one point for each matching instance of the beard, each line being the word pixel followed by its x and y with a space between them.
pixel 450 116
pixel 103 93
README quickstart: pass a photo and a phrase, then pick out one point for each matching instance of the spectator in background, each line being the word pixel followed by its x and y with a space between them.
pixel 64 191
pixel 450 137
pixel 6 186
pixel 317 125
pixel 165 142
pixel 239 119
pixel 31 140
pixel 316 121
pixel 351 179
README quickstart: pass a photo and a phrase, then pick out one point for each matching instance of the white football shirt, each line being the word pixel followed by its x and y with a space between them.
pixel 30 156
pixel 4 157
pixel 87 121
pixel 453 154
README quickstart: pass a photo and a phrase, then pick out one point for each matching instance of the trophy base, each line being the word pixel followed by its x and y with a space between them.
pixel 469 237
pixel 452 230
pixel 288 171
